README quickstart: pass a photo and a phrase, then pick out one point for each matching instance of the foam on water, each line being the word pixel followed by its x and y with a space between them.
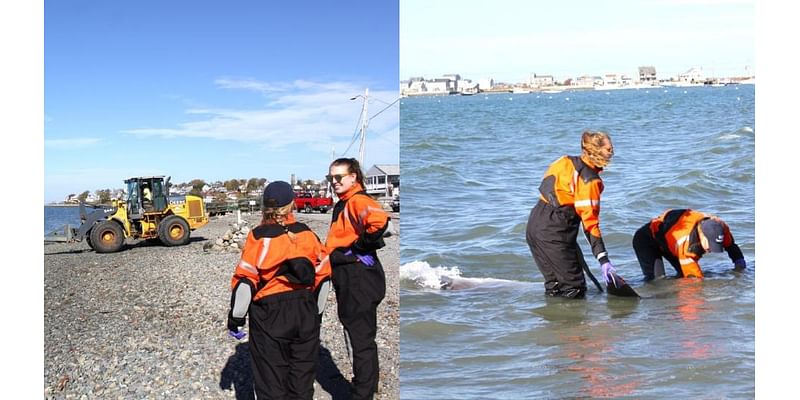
pixel 425 276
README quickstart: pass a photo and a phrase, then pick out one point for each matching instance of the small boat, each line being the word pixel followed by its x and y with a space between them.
pixel 520 91
pixel 551 91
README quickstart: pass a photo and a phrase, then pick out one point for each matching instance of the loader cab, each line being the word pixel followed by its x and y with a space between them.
pixel 146 195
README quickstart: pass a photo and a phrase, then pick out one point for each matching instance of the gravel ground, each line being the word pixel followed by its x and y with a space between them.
pixel 149 322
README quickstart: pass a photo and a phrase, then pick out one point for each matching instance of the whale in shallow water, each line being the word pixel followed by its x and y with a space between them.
pixel 450 283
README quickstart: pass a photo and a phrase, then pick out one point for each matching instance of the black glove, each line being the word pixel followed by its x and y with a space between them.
pixel 235 323
pixel 339 257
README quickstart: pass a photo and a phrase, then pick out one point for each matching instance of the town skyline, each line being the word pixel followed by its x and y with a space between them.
pixel 558 77
pixel 514 38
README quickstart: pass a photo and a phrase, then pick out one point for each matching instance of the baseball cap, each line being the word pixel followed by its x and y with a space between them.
pixel 714 233
pixel 277 194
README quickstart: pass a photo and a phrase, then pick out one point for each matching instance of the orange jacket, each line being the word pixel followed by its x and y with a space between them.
pixel 358 222
pixel 677 233
pixel 573 182
pixel 274 263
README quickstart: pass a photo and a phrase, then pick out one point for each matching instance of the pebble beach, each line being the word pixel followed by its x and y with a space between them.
pixel 149 322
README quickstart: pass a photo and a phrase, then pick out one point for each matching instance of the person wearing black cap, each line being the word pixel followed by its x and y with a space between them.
pixel 274 283
pixel 683 236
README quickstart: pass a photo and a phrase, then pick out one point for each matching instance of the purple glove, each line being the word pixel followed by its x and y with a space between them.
pixel 608 269
pixel 739 264
pixel 367 260
pixel 239 335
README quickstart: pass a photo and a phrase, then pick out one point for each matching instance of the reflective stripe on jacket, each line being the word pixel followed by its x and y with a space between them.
pixel 274 263
pixel 357 222
pixel 572 182
pixel 676 232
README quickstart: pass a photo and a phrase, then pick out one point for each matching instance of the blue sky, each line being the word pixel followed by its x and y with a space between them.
pixel 510 39
pixel 211 90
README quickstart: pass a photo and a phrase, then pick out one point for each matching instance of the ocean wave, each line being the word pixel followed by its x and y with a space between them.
pixel 446 278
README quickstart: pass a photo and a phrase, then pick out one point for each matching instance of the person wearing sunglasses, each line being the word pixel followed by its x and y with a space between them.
pixel 274 283
pixel 357 226
pixel 683 236
pixel 570 196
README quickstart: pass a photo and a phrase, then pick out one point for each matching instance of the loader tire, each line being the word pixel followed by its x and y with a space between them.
pixel 107 237
pixel 174 231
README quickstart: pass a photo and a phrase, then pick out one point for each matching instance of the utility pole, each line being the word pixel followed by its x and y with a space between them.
pixel 329 187
pixel 364 124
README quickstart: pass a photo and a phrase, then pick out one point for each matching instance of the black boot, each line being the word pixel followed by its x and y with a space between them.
pixel 573 293
pixel 552 289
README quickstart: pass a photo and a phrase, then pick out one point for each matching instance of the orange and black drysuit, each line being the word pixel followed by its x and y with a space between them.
pixel 274 282
pixel 357 226
pixel 675 236
pixel 569 195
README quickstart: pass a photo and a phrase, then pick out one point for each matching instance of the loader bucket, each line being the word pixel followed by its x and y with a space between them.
pixel 65 234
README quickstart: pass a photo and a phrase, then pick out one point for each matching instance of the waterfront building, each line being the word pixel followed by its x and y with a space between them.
pixel 647 74
pixel 382 180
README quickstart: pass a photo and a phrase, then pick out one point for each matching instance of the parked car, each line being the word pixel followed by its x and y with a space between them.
pixel 396 203
pixel 306 202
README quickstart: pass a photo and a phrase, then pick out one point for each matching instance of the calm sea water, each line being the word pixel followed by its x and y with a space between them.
pixel 57 217
pixel 471 166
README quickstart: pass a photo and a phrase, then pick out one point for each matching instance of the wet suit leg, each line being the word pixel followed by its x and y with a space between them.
pixel 551 286
pixel 648 253
pixel 552 238
pixel 284 345
pixel 359 291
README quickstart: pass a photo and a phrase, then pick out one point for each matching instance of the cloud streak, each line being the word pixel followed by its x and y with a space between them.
pixel 298 112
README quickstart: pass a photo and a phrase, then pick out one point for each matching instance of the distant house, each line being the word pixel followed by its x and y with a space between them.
pixel 453 79
pixel 383 179
pixel 693 75
pixel 440 86
pixel 486 84
pixel 585 81
pixel 541 80
pixel 647 74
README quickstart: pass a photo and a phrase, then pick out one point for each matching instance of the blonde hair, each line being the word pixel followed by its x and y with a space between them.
pixel 592 143
pixel 277 215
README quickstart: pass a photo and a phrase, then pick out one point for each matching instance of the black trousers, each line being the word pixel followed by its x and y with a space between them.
pixel 284 345
pixel 552 235
pixel 359 290
pixel 650 254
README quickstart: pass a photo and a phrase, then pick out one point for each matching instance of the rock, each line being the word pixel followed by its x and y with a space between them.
pixel 220 242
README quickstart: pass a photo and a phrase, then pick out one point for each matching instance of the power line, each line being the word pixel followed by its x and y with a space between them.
pixel 384 109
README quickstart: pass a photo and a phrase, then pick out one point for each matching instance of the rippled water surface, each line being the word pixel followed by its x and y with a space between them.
pixel 471 166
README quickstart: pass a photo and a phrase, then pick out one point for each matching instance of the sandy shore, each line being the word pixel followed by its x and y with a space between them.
pixel 149 322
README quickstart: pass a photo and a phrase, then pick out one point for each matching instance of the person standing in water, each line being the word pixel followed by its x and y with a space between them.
pixel 356 233
pixel 570 195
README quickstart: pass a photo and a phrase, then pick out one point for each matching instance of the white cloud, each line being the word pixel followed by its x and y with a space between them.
pixel 299 112
pixel 71 143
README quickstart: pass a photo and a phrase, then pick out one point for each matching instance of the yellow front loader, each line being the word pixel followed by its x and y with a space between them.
pixel 149 212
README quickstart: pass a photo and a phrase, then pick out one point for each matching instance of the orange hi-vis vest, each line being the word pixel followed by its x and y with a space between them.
pixel 274 263
pixel 574 183
pixel 676 231
pixel 354 216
